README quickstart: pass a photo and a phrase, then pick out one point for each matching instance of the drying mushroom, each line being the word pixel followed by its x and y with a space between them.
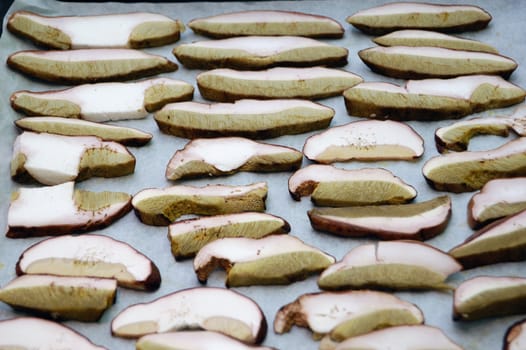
pixel 187 237
pixel 104 101
pixel 212 309
pixel 396 265
pixel 161 207
pixel 418 221
pixel 229 155
pixel 227 85
pixel 515 336
pixel 90 256
pixel 133 30
pixel 55 159
pixel 366 140
pixel 276 259
pixel 30 213
pixel 89 65
pixel 255 119
pixel 65 298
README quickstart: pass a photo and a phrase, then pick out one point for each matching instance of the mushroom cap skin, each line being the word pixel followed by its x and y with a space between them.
pixel 515 336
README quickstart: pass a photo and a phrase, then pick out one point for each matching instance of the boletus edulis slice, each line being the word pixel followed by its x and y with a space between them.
pixel 515 336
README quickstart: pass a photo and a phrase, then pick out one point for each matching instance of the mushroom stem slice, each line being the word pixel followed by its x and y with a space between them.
pixel 515 336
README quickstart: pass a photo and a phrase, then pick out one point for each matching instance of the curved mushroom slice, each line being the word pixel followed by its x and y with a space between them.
pixel 187 237
pixel 410 15
pixel 72 211
pixel 90 256
pixel 230 313
pixel 89 65
pixel 104 101
pixel 418 221
pixel 261 22
pixel 255 119
pixel 406 62
pixel 133 30
pixel 396 265
pixel 229 155
pixel 72 298
pixel 255 261
pixel 55 159
pixel 334 187
pixel 227 85
pixel 161 207
pixel 515 336
pixel 366 140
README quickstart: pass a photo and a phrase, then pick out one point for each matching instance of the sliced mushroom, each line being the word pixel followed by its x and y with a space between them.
pixel 469 171
pixel 89 65
pixel 255 119
pixel 515 336
pixel 396 265
pixel 90 256
pixel 230 313
pixel 276 259
pixel 161 207
pixel 66 298
pixel 227 85
pixel 72 211
pixel 187 237
pixel 55 159
pixel 133 30
pixel 229 155
pixel 418 221
pixel 103 101
pixel 489 296
pixel 334 187
pixel 410 15
pixel 261 22
pixel 366 140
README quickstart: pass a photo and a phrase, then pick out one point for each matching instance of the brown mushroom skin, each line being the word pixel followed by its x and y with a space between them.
pixel 512 333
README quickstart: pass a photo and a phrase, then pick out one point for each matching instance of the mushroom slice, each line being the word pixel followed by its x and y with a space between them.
pixel 255 261
pixel 104 101
pixel 257 52
pixel 187 237
pixel 255 119
pixel 162 207
pixel 418 221
pixel 66 298
pixel 44 335
pixel 89 65
pixel 270 23
pixel 334 187
pixel 489 296
pixel 366 140
pixel 515 336
pixel 228 155
pixel 406 62
pixel 469 171
pixel 133 30
pixel 411 15
pixel 72 211
pixel 227 85
pixel 396 265
pixel 90 256
pixel 55 159
pixel 230 313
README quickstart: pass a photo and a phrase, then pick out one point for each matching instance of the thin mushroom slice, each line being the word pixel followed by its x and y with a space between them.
pixel 65 298
pixel 366 140
pixel 395 265
pixel 229 155
pixel 227 85
pixel 161 207
pixel 90 256
pixel 187 237
pixel 73 211
pixel 276 259
pixel 255 119
pixel 417 221
pixel 230 313
pixel 89 65
pixel 515 336
pixel 129 30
